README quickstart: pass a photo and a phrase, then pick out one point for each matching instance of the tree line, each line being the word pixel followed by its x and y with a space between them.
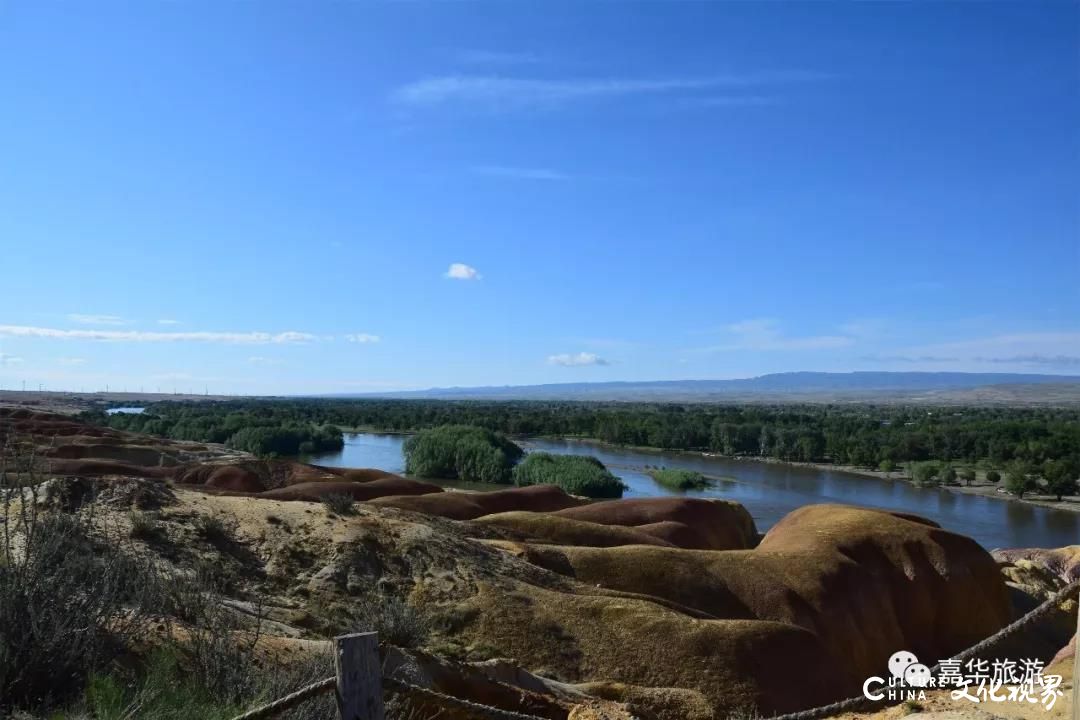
pixel 860 435
pixel 278 433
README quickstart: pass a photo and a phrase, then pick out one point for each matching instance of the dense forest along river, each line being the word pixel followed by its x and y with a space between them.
pixel 770 491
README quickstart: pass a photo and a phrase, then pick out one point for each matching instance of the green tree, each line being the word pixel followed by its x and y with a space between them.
pixel 1060 479
pixel 887 466
pixel 1018 480
pixel 463 452
pixel 993 476
pixel 968 476
pixel 948 476
pixel 925 473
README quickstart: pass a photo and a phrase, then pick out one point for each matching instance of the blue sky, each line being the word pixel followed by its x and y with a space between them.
pixel 261 197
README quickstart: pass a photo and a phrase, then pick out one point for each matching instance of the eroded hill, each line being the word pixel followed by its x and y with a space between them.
pixel 666 608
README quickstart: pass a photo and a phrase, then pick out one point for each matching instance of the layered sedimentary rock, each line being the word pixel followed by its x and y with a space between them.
pixel 467 506
pixel 685 522
pixel 867 583
pixel 552 528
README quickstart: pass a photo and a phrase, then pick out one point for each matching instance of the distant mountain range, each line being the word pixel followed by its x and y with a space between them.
pixel 1011 388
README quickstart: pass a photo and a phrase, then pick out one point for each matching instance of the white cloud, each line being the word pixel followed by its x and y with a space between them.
pixel 168 321
pixel 6 360
pixel 241 338
pixel 581 359
pixel 499 92
pixel 71 361
pixel 461 271
pixel 519 173
pixel 261 361
pixel 97 319
pixel 363 338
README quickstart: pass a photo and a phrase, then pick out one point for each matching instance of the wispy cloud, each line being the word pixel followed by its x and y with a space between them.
pixel 261 361
pixel 242 338
pixel 1033 359
pixel 461 271
pixel 1042 350
pixel 519 173
pixel 581 359
pixel 908 359
pixel 1038 348
pixel 764 334
pixel 97 319
pixel 71 361
pixel 363 338
pixel 168 321
pixel 6 360
pixel 500 92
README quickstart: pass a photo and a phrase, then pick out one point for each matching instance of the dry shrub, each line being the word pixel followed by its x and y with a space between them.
pixel 70 599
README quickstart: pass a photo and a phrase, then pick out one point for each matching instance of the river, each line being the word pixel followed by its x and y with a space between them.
pixel 770 491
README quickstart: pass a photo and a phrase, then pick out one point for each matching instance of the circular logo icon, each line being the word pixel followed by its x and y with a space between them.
pixel 917 675
pixel 900 661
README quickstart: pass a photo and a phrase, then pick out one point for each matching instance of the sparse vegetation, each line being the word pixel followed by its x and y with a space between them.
pixel 214 529
pixel 576 474
pixel 338 503
pixel 146 526
pixel 912 706
pixel 678 479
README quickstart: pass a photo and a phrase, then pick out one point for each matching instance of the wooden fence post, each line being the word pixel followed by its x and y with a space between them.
pixel 359 677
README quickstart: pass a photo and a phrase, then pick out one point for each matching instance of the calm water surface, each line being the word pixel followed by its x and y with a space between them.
pixel 770 491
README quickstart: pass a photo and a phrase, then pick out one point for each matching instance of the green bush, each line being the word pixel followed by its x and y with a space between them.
pixel 461 452
pixel 576 474
pixel 679 479
pixel 993 476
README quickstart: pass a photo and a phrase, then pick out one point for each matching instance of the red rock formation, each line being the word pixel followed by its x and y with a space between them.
pixel 467 506
pixel 686 522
